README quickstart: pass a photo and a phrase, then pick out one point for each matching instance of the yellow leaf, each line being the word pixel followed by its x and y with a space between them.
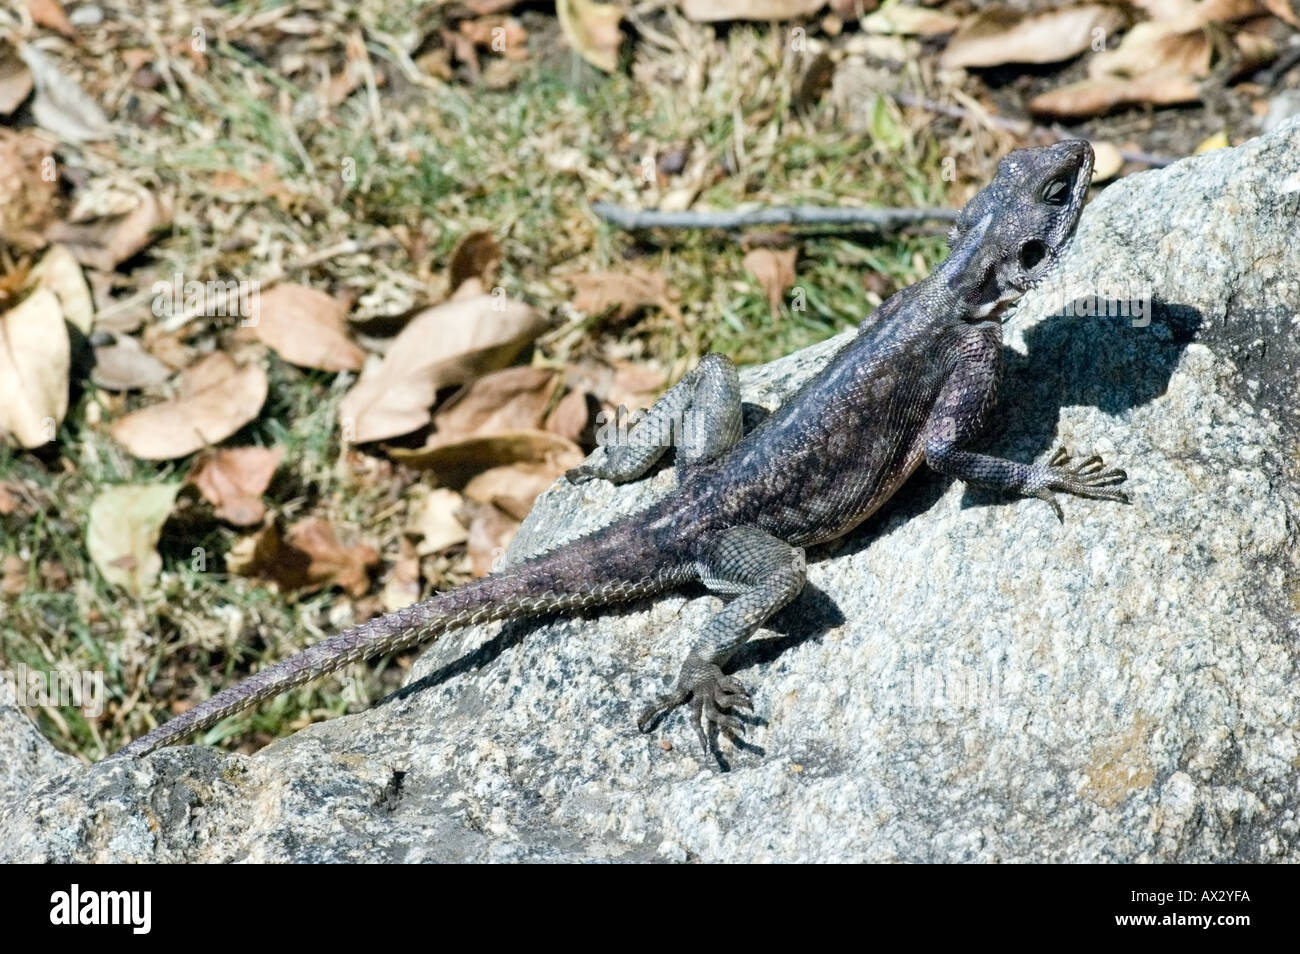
pixel 592 30
pixel 122 532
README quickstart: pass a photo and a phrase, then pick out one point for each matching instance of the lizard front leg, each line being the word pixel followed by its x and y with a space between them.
pixel 957 415
pixel 763 573
pixel 700 415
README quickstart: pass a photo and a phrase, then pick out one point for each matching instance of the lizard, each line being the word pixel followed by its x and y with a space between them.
pixel 915 385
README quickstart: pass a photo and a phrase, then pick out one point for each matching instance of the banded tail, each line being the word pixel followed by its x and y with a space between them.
pixel 614 565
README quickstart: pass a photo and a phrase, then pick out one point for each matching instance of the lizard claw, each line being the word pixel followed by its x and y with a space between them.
pixel 1090 478
pixel 711 696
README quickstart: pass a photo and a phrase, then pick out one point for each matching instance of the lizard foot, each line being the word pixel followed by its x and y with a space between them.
pixel 1090 478
pixel 710 694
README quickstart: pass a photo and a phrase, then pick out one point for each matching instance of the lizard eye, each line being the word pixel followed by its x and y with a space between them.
pixel 1031 253
pixel 1056 191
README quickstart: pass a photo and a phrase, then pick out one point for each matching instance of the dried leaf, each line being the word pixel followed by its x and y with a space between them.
pixel 61 106
pixel 15 79
pixel 511 399
pixel 774 270
pixel 8 503
pixel 49 13
pixel 490 533
pixel 1283 10
pixel 208 371
pixel 193 421
pixel 308 557
pixel 1107 161
pixel 999 35
pixel 592 30
pixel 449 344
pixel 402 588
pixel 233 481
pixel 34 365
pixel 59 272
pixel 456 459
pixel 28 189
pixel 514 487
pixel 1092 96
pixel 910 21
pixel 125 365
pixel 598 292
pixel 306 327
pixel 711 11
pixel 1154 49
pixel 435 520
pixel 572 416
pixel 1218 141
pixel 476 255
pixel 13 575
pixel 105 244
pixel 122 532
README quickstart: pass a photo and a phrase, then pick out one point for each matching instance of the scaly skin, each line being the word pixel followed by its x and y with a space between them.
pixel 915 385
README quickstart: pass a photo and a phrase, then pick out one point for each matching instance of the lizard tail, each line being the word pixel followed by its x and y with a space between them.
pixel 606 567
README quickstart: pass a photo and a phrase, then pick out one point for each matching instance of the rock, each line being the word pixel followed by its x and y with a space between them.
pixel 964 680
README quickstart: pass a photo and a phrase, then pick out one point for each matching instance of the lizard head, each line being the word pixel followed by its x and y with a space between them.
pixel 1010 235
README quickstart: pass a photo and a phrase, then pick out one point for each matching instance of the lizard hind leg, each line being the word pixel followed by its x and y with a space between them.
pixel 763 573
pixel 700 416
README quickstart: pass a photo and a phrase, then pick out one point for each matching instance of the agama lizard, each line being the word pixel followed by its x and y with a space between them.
pixel 915 385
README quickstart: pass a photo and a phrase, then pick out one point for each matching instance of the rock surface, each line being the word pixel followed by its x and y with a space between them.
pixel 964 680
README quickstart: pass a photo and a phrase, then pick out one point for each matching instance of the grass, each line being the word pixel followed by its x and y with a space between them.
pixel 433 164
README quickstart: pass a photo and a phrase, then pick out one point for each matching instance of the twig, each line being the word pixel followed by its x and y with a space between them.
pixel 1021 127
pixel 633 219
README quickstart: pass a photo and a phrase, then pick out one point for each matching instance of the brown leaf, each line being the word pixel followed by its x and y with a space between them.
pixel 402 588
pixel 1092 96
pixel 999 35
pixel 455 459
pixel 592 30
pixel 8 504
pixel 490 533
pixel 207 372
pixel 233 481
pixel 1154 49
pixel 514 487
pixel 195 420
pixel 15 79
pixel 48 13
pixel 28 188
pixel 124 365
pixel 511 399
pixel 35 357
pixel 775 272
pixel 106 244
pixel 571 417
pixel 628 292
pixel 902 20
pixel 435 519
pixel 476 255
pixel 13 575
pixel 711 11
pixel 308 557
pixel 449 344
pixel 306 327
